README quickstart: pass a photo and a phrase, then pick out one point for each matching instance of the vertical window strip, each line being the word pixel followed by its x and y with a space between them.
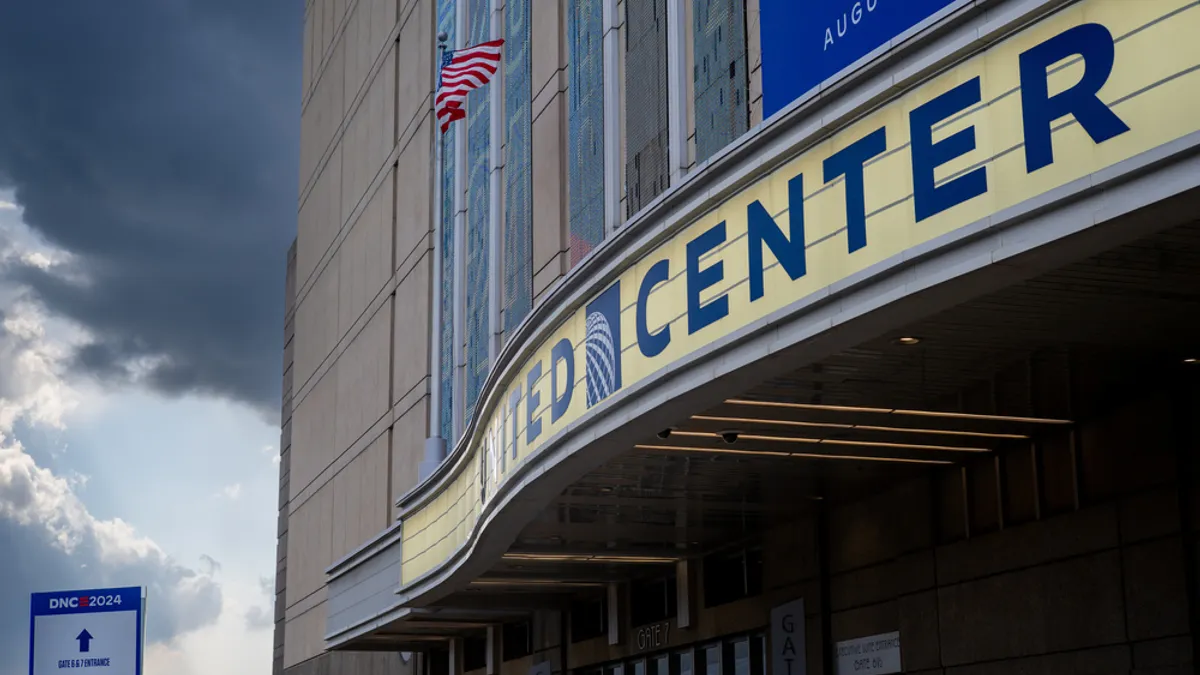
pixel 720 74
pixel 478 142
pixel 646 108
pixel 585 111
pixel 446 21
pixel 518 159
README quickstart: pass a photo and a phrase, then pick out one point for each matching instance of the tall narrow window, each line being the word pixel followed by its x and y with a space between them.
pixel 646 120
pixel 446 292
pixel 478 142
pixel 518 158
pixel 720 74
pixel 585 112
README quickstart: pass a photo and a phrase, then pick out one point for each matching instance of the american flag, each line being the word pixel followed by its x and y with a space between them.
pixel 462 71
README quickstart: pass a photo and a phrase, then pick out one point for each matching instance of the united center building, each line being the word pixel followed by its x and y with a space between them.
pixel 745 337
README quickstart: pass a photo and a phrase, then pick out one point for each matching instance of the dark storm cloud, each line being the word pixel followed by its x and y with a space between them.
pixel 156 140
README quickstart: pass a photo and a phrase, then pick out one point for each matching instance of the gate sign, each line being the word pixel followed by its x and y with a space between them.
pixel 96 631
pixel 788 654
pixel 805 42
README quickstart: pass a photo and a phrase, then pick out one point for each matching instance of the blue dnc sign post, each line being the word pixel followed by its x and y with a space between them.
pixel 805 42
pixel 92 631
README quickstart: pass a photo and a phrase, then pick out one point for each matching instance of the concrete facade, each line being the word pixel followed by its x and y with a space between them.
pixel 352 409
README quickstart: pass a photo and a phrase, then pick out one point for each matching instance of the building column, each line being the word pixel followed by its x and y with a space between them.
pixel 826 585
pixel 614 613
pixel 456 656
pixel 496 193
pixel 613 184
pixel 492 666
pixel 677 91
pixel 458 349
pixel 685 600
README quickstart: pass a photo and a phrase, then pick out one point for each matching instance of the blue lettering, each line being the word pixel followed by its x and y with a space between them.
pixel 514 399
pixel 533 425
pixel 788 250
pixel 698 279
pixel 929 199
pixel 652 344
pixel 562 351
pixel 1039 110
pixel 849 162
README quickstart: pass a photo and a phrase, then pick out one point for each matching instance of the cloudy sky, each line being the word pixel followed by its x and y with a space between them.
pixel 148 153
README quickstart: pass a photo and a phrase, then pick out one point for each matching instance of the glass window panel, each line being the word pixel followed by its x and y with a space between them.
pixel 446 292
pixel 478 141
pixel 741 657
pixel 585 115
pixel 646 122
pixel 518 206
pixel 758 655
pixel 721 86
pixel 684 662
pixel 660 665
pixel 712 660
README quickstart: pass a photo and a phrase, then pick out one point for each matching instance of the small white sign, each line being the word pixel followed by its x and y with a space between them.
pixel 874 655
pixel 787 639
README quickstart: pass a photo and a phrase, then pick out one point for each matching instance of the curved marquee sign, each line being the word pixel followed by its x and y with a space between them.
pixel 1098 82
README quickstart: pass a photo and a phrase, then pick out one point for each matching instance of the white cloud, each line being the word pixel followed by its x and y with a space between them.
pixel 261 617
pixel 230 492
pixel 211 566
pixel 228 646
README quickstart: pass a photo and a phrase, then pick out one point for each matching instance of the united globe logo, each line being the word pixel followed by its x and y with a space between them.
pixel 602 345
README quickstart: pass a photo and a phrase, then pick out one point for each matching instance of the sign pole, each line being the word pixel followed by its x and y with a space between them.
pixel 142 628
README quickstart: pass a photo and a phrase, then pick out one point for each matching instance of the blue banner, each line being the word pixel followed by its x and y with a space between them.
pixel 806 41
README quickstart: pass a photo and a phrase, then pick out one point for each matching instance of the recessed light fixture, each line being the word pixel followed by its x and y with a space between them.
pixel 588 557
pixel 1192 360
pixel 908 340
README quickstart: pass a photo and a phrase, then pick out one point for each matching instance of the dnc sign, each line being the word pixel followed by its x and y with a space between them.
pixel 96 631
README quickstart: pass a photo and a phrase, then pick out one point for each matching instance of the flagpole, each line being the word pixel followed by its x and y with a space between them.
pixel 435 445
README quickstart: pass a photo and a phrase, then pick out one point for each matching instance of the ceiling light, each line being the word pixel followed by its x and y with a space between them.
pixel 975 416
pixel 798 455
pixel 837 441
pixel 908 340
pixel 860 427
pixel 1191 359
pixel 536 582
pixel 588 558
pixel 896 411
pixel 806 406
